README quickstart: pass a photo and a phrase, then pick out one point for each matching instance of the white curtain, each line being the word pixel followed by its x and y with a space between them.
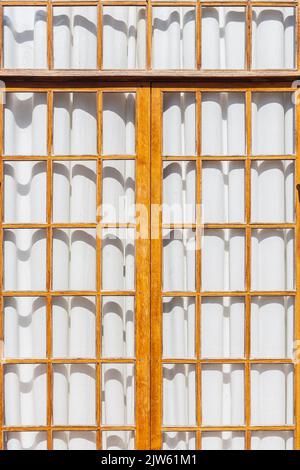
pixel 179 327
pixel 118 120
pixel 173 37
pixel 223 37
pixel 179 192
pixel 74 440
pixel 225 440
pixel 25 37
pixel 118 323
pixel 264 440
pixel 124 37
pixel 118 440
pixel 222 327
pixel 25 124
pixel 179 441
pixel 75 37
pixel 272 124
pixel 273 37
pixel 30 440
pixel 223 124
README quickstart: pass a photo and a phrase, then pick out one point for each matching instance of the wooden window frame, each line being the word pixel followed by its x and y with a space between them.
pixel 142 274
pixel 157 359
pixel 149 71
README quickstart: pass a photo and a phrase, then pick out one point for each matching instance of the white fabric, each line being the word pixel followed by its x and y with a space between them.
pixel 222 394
pixel 223 124
pixel 272 124
pixel 25 37
pixel 179 394
pixel 272 394
pixel 25 440
pixel 179 441
pixel 179 327
pixel 223 37
pixel 222 327
pixel 25 124
pixel 173 37
pixel 124 37
pixel 179 192
pixel 74 440
pixel 225 440
pixel 75 37
pixel 273 37
pixel 74 394
pixel 118 440
pixel 279 440
pixel 118 120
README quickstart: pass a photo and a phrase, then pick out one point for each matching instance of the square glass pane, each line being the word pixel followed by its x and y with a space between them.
pixel 25 124
pixel 25 394
pixel 222 395
pixel 31 440
pixel 74 394
pixel 24 192
pixel 74 191
pixel 223 260
pixel 75 37
pixel 118 440
pixel 118 191
pixel 222 327
pixel 179 124
pixel 223 124
pixel 179 327
pixel 25 259
pixel 179 440
pixel 272 191
pixel 173 37
pixel 273 123
pixel 74 440
pixel 272 401
pixel 25 37
pixel 74 124
pixel 179 192
pixel 179 394
pixel 118 326
pixel 118 135
pixel 74 259
pixel 273 37
pixel 272 327
pixel 124 37
pixel 179 260
pixel 24 327
pixel 223 37
pixel 118 259
pixel 272 259
pixel 223 189
pixel 74 327
pixel 272 440
pixel 225 440
pixel 118 394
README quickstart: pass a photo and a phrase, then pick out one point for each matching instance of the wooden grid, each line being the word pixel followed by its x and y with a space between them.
pixel 198 71
pixel 142 275
pixel 157 266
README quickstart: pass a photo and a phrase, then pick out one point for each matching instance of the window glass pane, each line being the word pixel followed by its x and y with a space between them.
pixel 74 394
pixel 179 124
pixel 273 122
pixel 223 124
pixel 173 37
pixel 30 440
pixel 74 440
pixel 75 124
pixel 225 440
pixel 75 37
pixel 118 124
pixel 73 327
pixel 25 37
pixel 273 38
pixel 272 440
pixel 118 440
pixel 179 440
pixel 124 37
pixel 24 327
pixel 25 124
pixel 25 259
pixel 25 192
pixel 179 327
pixel 223 37
pixel 74 191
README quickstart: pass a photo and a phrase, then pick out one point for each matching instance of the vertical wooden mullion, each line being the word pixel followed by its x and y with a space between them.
pixel 142 295
pixel 156 269
pixel 49 265
pixel 98 269
pixel 297 272
pixel 247 371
